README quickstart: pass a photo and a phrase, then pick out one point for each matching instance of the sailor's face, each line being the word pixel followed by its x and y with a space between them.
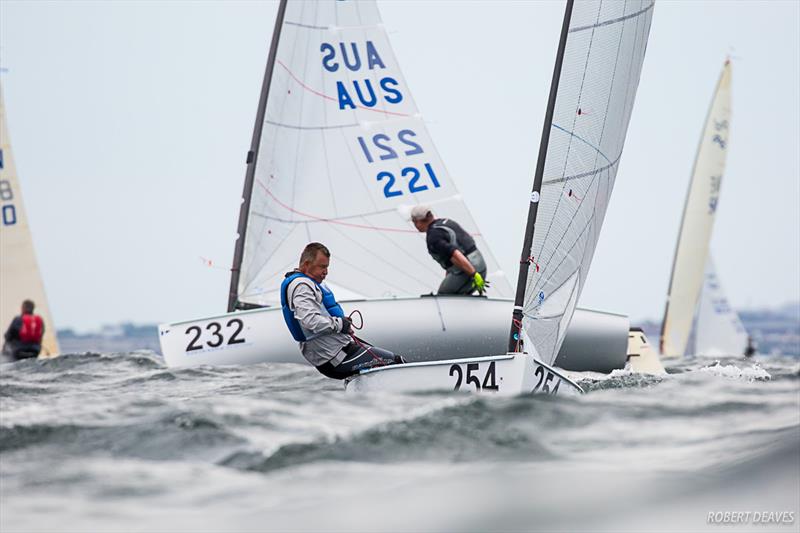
pixel 318 268
pixel 420 225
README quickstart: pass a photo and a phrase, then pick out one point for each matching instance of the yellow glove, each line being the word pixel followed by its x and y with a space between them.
pixel 478 283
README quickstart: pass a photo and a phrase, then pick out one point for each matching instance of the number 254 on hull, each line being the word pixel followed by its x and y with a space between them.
pixel 507 375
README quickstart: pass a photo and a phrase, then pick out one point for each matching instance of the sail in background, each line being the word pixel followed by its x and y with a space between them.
pixel 603 58
pixel 19 272
pixel 718 329
pixel 343 157
pixel 691 252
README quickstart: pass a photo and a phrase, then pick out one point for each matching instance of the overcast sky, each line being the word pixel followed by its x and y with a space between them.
pixel 130 121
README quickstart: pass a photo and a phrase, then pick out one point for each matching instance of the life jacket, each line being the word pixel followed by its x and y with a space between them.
pixel 32 329
pixel 451 237
pixel 328 304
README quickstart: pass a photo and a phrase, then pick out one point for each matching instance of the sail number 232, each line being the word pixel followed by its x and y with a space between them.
pixel 218 335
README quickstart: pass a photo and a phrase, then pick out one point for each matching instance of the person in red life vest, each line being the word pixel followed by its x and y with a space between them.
pixel 24 335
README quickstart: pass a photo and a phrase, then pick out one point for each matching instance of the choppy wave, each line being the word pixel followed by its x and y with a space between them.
pixel 125 429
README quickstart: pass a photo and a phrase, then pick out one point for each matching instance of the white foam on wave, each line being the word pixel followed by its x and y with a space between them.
pixel 734 372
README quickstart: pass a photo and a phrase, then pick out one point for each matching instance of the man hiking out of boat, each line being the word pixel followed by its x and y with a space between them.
pixel 454 249
pixel 319 324
pixel 23 338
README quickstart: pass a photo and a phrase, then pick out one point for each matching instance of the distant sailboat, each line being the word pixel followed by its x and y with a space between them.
pixel 19 272
pixel 598 65
pixel 693 271
pixel 718 330
pixel 340 154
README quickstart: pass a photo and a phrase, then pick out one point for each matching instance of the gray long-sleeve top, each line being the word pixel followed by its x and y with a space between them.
pixel 305 302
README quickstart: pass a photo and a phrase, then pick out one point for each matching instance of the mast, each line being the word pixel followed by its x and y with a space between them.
pixel 524 262
pixel 252 157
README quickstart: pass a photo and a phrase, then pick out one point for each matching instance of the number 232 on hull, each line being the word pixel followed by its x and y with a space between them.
pixel 507 375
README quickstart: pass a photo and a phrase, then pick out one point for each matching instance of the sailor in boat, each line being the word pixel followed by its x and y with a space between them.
pixel 23 338
pixel 455 250
pixel 750 350
pixel 319 324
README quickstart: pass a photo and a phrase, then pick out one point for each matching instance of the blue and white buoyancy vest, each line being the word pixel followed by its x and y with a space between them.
pixel 328 304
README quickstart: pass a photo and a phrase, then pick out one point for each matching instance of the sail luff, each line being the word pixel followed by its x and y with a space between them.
pixel 252 157
pixel 525 262
pixel 691 249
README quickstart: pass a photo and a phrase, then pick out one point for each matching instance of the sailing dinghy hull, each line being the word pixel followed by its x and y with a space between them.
pixel 503 375
pixel 420 329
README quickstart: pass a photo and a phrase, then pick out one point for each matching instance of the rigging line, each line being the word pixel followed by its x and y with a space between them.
pixel 332 221
pixel 613 21
pixel 346 217
pixel 569 145
pixel 381 260
pixel 325 96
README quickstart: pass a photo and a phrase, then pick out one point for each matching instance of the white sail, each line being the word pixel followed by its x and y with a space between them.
pixel 718 329
pixel 343 157
pixel 602 62
pixel 19 272
pixel 698 221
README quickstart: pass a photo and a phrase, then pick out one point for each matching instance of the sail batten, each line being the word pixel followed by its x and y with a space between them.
pixel 601 55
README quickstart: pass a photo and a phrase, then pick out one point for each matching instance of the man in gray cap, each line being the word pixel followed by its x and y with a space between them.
pixel 454 249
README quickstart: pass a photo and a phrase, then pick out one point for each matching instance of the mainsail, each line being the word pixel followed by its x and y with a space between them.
pixel 691 252
pixel 594 86
pixel 340 155
pixel 718 329
pixel 19 272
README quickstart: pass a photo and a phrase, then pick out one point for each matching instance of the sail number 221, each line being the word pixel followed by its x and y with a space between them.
pixel 382 147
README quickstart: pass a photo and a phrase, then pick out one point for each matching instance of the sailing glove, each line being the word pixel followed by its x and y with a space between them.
pixel 479 284
pixel 347 325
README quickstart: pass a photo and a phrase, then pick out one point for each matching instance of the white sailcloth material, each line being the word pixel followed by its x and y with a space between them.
pixel 698 221
pixel 600 74
pixel 19 273
pixel 718 329
pixel 344 156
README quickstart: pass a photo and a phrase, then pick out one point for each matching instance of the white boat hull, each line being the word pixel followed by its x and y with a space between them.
pixel 504 375
pixel 419 329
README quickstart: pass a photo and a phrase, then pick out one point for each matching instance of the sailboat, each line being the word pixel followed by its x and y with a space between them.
pixel 598 65
pixel 717 328
pixel 19 272
pixel 340 155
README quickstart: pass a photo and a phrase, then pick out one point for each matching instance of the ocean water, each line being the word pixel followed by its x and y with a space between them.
pixel 119 442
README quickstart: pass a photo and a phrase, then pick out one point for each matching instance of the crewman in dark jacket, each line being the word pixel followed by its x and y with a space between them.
pixel 23 339
pixel 454 249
